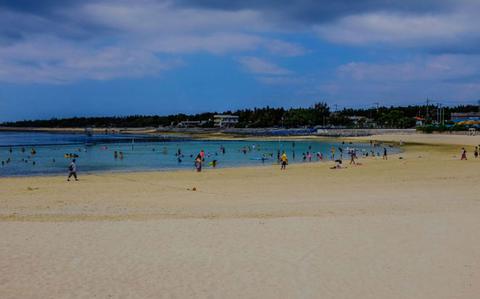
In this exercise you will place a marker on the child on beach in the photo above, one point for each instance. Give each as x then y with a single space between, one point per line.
352 156
464 154
72 171
338 165
309 156
198 163
284 161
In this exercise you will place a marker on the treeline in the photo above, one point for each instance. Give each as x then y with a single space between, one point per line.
316 115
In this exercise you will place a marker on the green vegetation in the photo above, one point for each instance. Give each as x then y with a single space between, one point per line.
317 115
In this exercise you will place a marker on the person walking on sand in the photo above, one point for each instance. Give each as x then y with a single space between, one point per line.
385 155
198 163
72 170
284 161
464 154
352 157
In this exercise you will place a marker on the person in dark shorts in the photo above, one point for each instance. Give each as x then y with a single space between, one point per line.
284 161
72 170
198 163
464 154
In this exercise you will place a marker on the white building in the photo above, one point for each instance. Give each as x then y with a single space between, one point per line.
190 124
224 120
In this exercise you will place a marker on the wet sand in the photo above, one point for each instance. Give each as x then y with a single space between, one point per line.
402 228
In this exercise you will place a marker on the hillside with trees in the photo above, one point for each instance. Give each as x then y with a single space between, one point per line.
318 114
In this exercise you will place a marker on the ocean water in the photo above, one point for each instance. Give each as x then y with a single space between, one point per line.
143 153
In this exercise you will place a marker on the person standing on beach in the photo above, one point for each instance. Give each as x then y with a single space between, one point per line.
464 154
352 157
284 161
385 156
198 163
475 153
72 170
332 152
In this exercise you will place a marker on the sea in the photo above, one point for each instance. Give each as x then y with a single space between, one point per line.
39 153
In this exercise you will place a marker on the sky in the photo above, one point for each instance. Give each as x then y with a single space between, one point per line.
64 58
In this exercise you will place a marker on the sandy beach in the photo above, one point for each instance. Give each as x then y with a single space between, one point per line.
403 228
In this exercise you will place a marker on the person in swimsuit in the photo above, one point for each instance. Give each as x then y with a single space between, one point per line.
284 161
464 154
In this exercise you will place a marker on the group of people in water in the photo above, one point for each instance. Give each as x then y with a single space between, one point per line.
27 159
199 160
337 154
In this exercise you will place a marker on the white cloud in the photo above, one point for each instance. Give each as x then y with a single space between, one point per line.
106 40
50 60
440 67
443 78
434 30
284 48
260 66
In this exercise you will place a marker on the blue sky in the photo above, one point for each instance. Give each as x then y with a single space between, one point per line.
103 57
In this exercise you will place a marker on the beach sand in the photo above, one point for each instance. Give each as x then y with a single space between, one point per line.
402 228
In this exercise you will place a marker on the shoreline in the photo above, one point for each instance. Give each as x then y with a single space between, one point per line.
213 132
401 141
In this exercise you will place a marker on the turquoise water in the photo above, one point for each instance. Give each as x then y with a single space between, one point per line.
140 153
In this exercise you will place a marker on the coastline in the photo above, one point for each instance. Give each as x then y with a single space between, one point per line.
401 228
213 132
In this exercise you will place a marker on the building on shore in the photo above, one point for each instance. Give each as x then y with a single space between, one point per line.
468 119
190 124
362 122
225 120
419 121
462 117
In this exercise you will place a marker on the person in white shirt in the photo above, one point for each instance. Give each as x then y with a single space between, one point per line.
72 170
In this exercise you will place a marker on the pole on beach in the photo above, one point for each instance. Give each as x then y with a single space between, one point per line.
427 116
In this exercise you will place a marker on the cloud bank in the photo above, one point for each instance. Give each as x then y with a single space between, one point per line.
432 42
